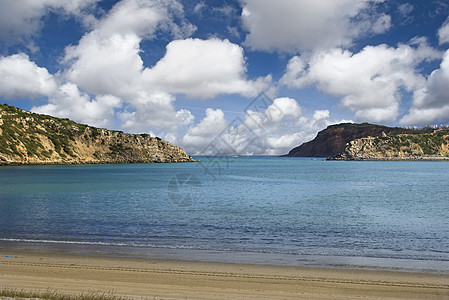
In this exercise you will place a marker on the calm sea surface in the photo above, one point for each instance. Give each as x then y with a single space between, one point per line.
240 209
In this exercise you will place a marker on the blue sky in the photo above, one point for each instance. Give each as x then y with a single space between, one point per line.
192 72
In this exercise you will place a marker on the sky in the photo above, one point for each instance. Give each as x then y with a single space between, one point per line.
231 76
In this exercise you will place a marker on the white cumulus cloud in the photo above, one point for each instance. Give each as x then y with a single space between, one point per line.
68 100
105 65
292 26
274 129
107 60
443 32
21 19
204 69
22 78
431 103
368 82
154 111
203 133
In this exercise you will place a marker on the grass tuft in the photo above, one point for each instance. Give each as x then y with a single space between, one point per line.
54 295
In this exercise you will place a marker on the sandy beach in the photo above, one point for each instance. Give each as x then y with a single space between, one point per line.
32 270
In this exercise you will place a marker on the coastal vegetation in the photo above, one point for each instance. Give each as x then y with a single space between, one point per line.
350 141
54 295
29 138
431 146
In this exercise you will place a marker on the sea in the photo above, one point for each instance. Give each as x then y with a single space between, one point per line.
237 209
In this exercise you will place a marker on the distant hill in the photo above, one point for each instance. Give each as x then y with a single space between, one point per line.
29 138
365 141
332 140
424 146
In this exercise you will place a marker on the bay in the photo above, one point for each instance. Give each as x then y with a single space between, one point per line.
275 209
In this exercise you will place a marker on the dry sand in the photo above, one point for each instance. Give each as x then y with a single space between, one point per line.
174 279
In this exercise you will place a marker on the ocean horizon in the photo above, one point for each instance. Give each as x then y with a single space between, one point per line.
243 209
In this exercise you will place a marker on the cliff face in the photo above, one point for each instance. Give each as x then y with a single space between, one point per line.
28 138
332 140
434 146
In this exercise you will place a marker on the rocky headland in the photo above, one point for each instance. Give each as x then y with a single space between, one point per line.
365 141
432 146
29 138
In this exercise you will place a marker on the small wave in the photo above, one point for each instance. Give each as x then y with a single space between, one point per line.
117 244
261 179
302 252
63 242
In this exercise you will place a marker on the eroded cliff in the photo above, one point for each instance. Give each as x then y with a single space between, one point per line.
332 140
433 146
29 138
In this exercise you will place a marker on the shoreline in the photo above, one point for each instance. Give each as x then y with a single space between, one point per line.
92 162
68 273
422 264
443 158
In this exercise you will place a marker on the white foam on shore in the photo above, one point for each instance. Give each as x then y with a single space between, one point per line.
232 256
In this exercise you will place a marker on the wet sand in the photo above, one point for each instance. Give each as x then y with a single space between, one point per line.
39 270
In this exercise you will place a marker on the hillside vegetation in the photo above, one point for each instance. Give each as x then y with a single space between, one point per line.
333 140
429 146
348 141
29 138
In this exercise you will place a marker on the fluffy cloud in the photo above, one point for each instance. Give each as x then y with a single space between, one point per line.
155 111
144 18
292 26
203 133
21 19
22 78
443 33
68 100
431 103
273 130
368 82
283 108
104 72
204 69
107 60
133 16
283 126
105 65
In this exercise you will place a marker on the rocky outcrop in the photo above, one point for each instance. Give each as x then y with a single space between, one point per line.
29 138
434 146
332 140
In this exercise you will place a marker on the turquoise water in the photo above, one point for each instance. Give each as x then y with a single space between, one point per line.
283 208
